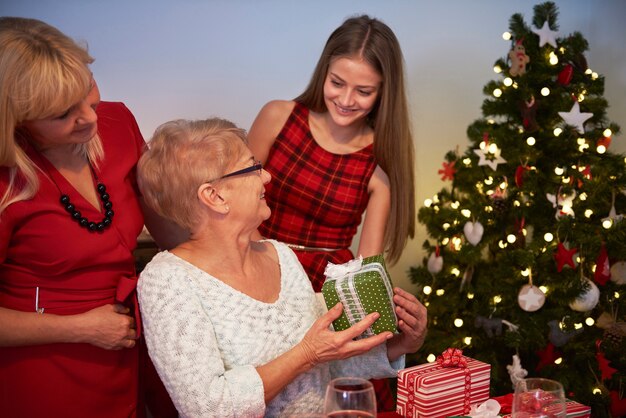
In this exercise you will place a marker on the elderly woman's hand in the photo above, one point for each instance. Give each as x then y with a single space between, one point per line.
320 344
412 320
109 327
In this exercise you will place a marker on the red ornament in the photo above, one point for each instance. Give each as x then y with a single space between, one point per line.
547 356
519 175
564 256
603 364
565 76
452 357
603 267
448 171
605 141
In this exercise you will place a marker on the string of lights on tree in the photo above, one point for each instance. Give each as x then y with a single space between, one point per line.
526 265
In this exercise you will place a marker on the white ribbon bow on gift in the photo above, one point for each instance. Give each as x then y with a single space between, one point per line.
335 271
488 409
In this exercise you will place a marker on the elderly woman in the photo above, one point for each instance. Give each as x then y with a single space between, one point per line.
233 325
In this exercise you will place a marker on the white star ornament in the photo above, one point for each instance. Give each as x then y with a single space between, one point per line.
546 35
575 118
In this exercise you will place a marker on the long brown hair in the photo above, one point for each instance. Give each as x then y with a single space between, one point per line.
370 39
42 73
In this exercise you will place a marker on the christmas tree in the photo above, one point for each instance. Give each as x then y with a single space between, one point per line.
527 246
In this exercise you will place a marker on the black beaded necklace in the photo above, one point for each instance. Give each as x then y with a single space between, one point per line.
75 213
77 216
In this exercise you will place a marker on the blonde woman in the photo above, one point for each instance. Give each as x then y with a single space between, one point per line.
69 220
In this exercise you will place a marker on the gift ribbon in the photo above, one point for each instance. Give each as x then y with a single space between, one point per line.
335 271
488 409
453 357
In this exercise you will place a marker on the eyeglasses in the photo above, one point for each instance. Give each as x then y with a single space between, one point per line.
258 166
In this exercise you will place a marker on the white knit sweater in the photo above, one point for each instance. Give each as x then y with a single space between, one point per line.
206 338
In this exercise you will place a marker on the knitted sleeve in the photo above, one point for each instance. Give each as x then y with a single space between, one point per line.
182 344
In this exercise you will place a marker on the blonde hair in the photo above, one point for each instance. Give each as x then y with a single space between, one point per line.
42 73
182 155
370 39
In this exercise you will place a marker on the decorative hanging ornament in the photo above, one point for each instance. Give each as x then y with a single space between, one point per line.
498 199
605 142
603 267
558 336
519 175
448 171
473 232
516 371
565 76
618 273
518 58
546 35
575 118
613 216
530 298
588 299
563 203
490 159
435 262
564 256
528 110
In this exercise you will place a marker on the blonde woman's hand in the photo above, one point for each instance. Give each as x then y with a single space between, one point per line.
320 344
109 327
412 321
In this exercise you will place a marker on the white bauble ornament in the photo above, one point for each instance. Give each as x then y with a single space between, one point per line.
618 272
473 232
530 298
587 300
435 263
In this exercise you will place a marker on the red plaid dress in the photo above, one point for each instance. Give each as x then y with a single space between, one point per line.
317 198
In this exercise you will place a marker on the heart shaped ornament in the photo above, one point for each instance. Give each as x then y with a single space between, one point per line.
473 232
435 263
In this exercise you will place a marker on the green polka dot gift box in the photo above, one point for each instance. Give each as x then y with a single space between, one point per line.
363 286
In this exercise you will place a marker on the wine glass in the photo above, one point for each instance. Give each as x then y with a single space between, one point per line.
350 397
538 398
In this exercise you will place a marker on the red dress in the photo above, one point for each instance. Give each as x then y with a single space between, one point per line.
75 271
317 198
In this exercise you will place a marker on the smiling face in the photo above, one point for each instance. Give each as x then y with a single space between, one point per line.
76 125
351 90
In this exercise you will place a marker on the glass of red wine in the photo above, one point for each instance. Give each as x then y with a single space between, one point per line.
350 397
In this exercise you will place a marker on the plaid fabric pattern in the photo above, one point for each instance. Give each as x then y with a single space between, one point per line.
317 198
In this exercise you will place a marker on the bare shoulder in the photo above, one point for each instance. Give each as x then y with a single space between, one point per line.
267 126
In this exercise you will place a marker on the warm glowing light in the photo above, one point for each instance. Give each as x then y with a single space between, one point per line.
455 204
554 60
589 321
427 290
607 133
456 241
467 340
458 322
588 71
497 93
466 212
445 241
502 244
558 360
588 213
583 196
497 299
526 272
531 141
508 81
470 296
511 238
544 289
506 36
440 292
455 271
581 141
467 161
581 97
489 181
594 75
445 226
557 131
503 185
578 325
607 223
493 148
559 171
601 149
616 295
548 237
545 91
497 69
596 391
428 202
488 209
566 180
